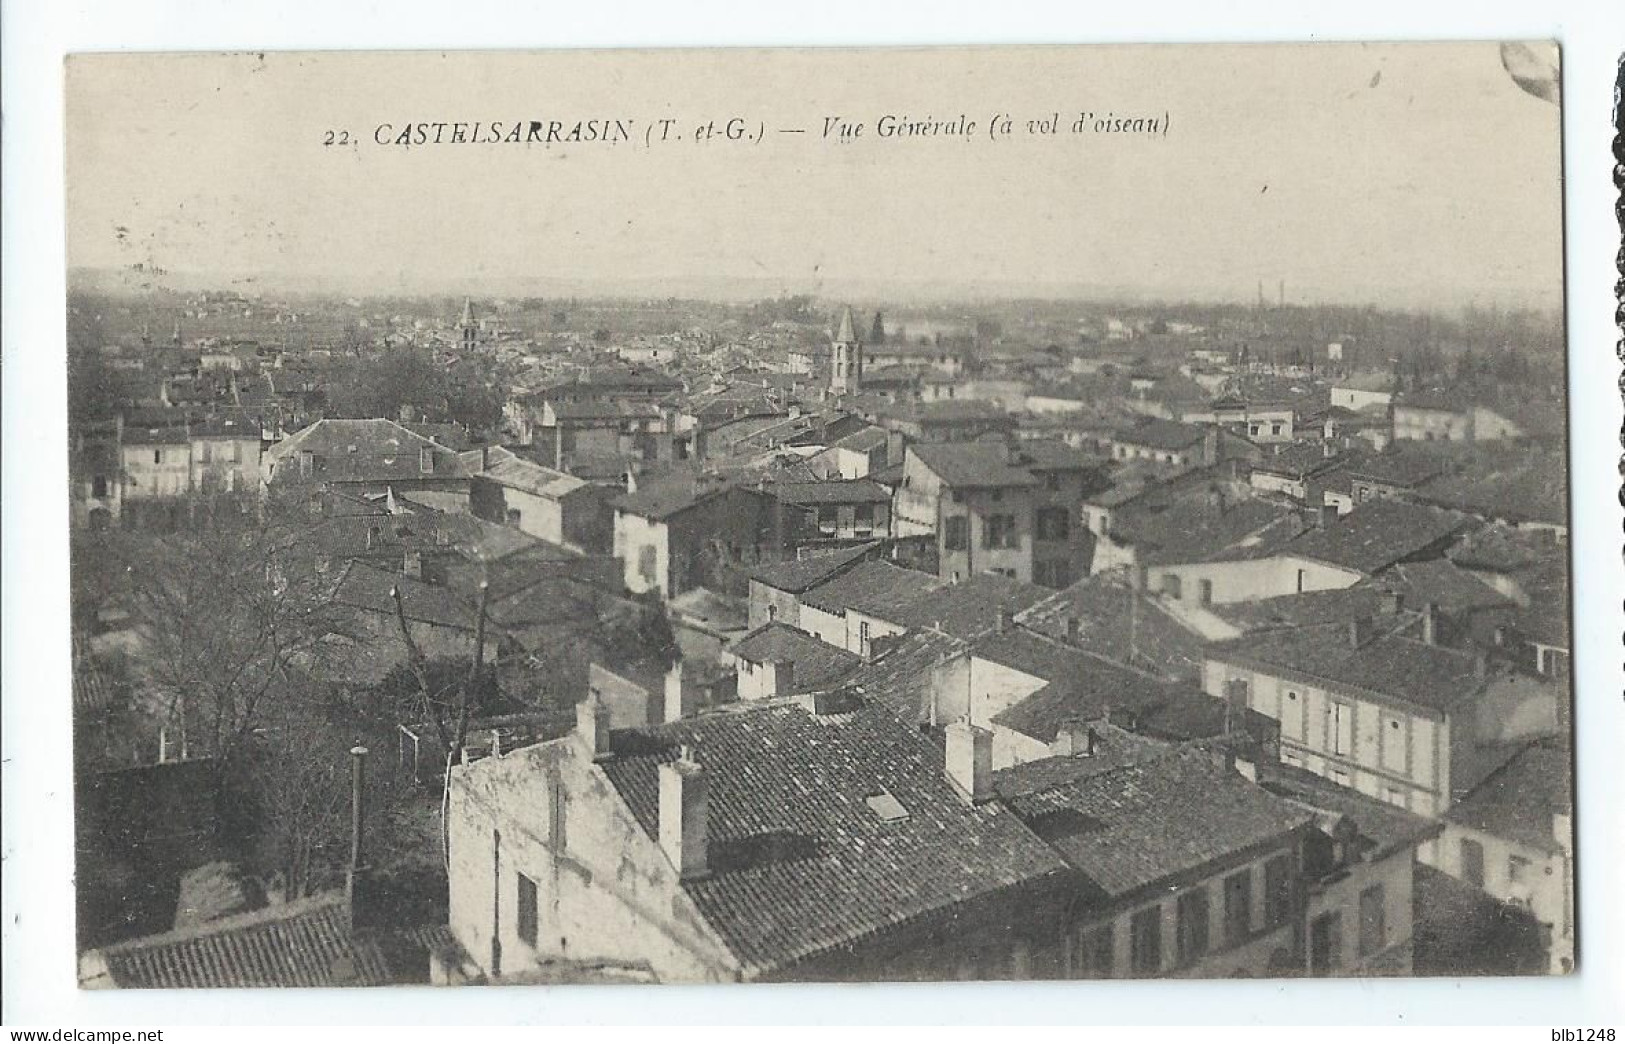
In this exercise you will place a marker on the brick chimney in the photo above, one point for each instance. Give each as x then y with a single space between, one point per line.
968 761
593 726
684 808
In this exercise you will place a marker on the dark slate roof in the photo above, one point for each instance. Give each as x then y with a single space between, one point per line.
1377 534
1159 434
1406 669
1517 801
1129 829
971 607
1382 827
799 862
798 575
856 491
972 465
308 942
877 589
817 664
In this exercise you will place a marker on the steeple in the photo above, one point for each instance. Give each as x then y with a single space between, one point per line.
466 326
845 357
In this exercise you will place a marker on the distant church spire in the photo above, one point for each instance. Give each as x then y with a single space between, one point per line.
846 357
466 325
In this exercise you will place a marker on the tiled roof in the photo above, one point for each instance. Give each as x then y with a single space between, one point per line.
1115 748
365 587
1377 534
308 942
1099 687
1196 531
364 451
665 496
878 589
1517 801
1443 583
817 664
1297 460
799 862
856 491
1306 608
900 675
529 477
1402 466
971 607
972 465
798 575
1520 490
1054 455
1131 828
1407 669
1161 435
1120 624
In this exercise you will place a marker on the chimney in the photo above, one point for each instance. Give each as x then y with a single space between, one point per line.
1004 621
496 743
163 744
1360 631
679 698
485 458
684 791
1430 623
1074 630
1140 577
593 726
1328 515
969 761
361 899
1075 739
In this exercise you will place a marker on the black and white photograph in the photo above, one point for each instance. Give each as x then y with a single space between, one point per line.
941 514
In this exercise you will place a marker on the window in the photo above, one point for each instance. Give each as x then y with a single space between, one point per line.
829 515
1093 951
1301 577
1277 891
1191 911
1238 907
1053 523
646 563
1326 943
98 486
206 452
157 456
1396 797
1472 862
999 531
959 496
1052 482
236 453
863 515
1373 921
1172 586
1145 941
514 516
954 532
1275 429
863 637
1342 729
1204 591
998 495
526 913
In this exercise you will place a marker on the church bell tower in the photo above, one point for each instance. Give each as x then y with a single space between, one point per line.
846 358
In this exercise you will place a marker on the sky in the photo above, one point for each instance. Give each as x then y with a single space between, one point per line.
1403 175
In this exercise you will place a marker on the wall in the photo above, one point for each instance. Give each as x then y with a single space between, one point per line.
1250 579
1427 425
605 890
1253 956
994 687
171 476
1396 754
630 704
977 505
634 533
1396 875
1546 888
786 607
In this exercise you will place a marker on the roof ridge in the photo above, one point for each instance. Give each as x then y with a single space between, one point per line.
203 929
